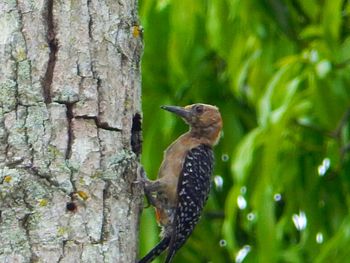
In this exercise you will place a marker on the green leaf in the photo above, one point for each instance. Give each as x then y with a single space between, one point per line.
244 155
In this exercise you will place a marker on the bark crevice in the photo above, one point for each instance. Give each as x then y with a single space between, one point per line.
90 24
43 175
53 47
26 227
26 135
64 243
70 134
99 124
105 211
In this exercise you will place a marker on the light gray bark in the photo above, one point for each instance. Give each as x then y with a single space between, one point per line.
69 130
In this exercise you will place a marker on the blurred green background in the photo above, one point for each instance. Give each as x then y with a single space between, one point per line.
279 70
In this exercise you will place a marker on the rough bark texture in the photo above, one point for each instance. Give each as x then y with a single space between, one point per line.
69 130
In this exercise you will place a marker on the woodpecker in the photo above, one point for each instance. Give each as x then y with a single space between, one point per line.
183 184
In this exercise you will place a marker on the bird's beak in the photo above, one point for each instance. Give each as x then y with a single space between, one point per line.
182 112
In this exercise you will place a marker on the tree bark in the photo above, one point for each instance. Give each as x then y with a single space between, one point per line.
70 130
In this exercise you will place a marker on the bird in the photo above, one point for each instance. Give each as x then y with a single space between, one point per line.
183 184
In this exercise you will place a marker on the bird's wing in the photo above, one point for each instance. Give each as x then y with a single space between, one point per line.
192 192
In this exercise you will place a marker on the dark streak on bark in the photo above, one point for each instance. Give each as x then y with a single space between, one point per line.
26 136
99 124
98 87
136 135
16 85
53 45
69 114
101 150
12 164
43 175
105 212
78 72
6 139
90 19
64 242
25 224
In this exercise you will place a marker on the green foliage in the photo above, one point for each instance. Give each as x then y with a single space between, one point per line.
279 70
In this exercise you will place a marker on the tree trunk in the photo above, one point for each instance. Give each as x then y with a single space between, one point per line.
70 123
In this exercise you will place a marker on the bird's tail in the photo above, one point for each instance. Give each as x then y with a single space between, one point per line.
170 256
156 251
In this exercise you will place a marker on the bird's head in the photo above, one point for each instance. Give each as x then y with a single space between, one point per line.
205 120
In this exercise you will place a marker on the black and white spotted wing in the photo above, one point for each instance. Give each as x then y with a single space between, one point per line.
193 190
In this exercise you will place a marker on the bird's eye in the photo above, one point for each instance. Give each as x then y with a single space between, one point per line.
199 109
